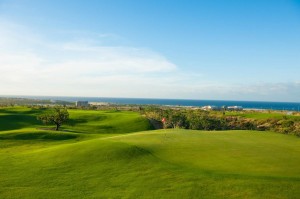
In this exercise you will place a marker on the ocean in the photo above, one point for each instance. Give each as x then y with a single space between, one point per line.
287 106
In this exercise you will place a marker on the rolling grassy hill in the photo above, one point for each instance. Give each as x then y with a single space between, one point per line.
114 155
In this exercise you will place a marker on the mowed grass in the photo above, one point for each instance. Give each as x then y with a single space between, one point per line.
147 164
81 121
106 122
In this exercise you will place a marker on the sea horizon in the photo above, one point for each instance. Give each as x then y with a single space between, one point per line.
247 104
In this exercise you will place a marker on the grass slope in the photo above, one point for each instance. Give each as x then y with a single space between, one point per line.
106 122
147 164
81 121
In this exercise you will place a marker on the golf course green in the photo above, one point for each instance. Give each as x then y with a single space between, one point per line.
117 154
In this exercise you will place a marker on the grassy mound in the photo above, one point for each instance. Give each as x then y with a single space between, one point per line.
234 152
81 121
97 155
157 164
106 122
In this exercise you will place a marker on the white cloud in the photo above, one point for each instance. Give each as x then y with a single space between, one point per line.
29 64
33 65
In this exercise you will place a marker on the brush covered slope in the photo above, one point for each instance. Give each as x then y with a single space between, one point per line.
148 164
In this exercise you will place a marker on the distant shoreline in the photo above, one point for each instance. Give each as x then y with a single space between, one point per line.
247 105
135 98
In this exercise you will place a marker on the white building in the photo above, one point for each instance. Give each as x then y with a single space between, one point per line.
81 103
235 108
99 103
210 108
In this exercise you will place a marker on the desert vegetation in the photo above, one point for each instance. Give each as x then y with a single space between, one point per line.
225 120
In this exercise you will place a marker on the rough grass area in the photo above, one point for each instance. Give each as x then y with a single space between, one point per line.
262 115
85 161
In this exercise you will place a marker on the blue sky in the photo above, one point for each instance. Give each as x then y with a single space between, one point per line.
225 50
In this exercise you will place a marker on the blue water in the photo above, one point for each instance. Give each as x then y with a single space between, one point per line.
291 106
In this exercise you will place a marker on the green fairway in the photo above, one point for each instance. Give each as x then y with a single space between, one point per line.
106 122
108 154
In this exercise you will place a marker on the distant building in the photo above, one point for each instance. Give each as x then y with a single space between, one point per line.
82 104
99 103
235 108
289 113
210 108
224 107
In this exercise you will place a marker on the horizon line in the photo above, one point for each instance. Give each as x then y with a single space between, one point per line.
151 98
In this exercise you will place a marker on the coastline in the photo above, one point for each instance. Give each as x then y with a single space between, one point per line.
247 105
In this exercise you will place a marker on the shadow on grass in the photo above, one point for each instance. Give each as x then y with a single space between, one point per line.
21 111
85 119
73 122
38 136
99 129
17 121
